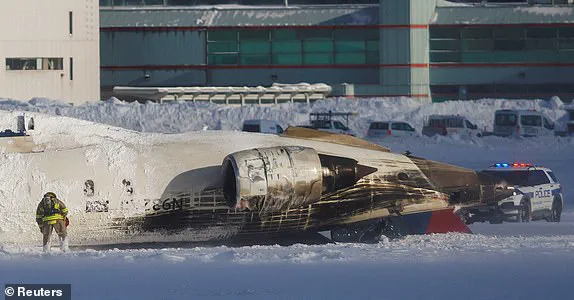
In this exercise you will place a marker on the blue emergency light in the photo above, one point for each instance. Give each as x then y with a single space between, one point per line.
515 165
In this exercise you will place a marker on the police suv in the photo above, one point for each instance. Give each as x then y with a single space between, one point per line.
536 195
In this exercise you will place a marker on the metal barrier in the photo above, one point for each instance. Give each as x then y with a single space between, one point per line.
276 93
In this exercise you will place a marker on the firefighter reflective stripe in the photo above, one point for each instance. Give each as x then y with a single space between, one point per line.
56 211
57 207
53 217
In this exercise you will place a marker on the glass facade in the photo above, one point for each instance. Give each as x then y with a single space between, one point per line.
501 44
324 46
220 2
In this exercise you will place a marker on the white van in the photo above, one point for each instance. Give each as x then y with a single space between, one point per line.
381 129
326 121
262 126
518 122
449 125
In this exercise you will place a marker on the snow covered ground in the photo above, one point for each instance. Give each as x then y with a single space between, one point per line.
507 261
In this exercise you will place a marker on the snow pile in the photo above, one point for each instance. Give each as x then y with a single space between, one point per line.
550 11
180 117
440 247
480 266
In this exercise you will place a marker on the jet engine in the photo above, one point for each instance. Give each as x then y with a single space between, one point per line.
278 178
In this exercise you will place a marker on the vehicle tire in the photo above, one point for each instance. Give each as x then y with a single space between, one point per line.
524 213
556 211
479 134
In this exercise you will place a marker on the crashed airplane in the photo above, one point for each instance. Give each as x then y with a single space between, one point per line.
312 181
249 188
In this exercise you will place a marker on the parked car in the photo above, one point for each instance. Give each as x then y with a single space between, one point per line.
262 126
536 195
390 128
526 123
326 121
448 125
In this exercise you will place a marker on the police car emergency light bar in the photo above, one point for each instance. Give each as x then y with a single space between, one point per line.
515 165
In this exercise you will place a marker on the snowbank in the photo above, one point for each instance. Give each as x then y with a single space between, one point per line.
180 117
447 266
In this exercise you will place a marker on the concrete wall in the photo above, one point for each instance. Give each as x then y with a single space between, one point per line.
129 52
504 75
404 47
40 29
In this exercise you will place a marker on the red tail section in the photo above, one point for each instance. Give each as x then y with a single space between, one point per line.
443 221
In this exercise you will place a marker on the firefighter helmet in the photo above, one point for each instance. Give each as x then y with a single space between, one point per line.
50 195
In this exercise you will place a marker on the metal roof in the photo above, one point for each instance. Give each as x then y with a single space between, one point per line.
503 14
239 16
447 13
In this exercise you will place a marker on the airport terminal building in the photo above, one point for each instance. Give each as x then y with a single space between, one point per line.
50 49
427 49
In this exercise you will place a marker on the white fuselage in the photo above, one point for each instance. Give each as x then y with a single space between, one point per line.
128 177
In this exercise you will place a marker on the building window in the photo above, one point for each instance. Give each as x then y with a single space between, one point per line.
508 45
293 47
71 68
28 63
497 44
70 22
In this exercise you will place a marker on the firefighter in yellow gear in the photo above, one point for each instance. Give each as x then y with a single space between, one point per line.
51 215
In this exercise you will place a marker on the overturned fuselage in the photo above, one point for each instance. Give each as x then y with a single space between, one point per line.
217 186
325 182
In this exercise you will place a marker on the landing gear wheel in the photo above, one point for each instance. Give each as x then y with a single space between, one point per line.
556 212
524 213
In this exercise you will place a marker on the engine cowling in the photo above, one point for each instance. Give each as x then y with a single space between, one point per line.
272 179
278 178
